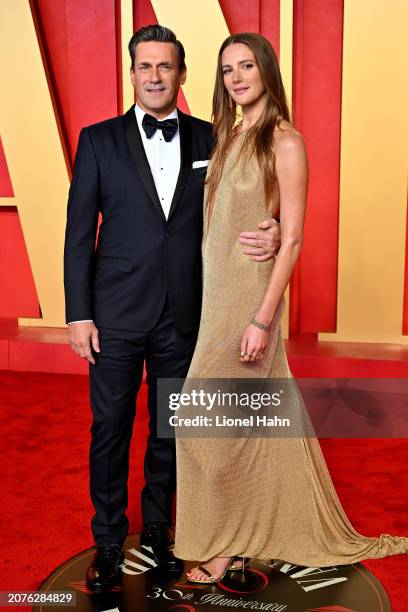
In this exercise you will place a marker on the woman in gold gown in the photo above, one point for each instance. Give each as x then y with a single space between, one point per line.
260 497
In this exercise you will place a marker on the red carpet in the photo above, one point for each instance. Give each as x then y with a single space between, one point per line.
45 508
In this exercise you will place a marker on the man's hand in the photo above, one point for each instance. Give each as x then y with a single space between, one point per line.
80 336
262 245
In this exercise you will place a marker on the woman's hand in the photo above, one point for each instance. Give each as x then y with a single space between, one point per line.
253 343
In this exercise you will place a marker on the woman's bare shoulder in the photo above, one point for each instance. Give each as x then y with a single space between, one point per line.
286 132
287 138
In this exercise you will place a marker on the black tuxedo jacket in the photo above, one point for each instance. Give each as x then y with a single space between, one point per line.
140 257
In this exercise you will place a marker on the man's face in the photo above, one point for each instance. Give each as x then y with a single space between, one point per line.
157 77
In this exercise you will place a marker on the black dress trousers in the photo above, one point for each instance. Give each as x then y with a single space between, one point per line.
114 382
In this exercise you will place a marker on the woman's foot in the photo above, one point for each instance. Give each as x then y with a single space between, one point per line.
236 564
215 567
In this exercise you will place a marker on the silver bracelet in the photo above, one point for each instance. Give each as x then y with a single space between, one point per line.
263 326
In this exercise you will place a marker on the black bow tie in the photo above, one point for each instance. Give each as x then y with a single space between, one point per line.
169 127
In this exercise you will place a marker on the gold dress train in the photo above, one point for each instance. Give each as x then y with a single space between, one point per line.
266 498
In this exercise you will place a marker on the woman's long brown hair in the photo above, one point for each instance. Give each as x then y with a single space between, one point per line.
259 138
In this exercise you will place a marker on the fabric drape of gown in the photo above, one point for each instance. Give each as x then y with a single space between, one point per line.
266 498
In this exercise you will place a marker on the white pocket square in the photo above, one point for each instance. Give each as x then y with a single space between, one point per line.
200 164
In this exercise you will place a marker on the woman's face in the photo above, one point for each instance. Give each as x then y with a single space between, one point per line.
241 75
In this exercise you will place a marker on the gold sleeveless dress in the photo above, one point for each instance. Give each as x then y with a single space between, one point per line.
267 498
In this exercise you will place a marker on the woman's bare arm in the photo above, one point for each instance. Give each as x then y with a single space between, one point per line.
292 176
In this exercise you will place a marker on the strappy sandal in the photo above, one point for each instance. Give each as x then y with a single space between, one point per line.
212 579
237 568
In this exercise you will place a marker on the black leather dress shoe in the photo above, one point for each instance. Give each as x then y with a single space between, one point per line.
103 570
156 536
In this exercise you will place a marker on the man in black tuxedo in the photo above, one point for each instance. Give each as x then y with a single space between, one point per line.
135 299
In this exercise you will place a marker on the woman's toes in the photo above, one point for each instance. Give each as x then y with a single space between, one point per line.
194 573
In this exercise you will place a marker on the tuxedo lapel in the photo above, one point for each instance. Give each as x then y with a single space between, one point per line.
186 160
135 144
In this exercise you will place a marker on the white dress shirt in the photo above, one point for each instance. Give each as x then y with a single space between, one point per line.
163 158
164 161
